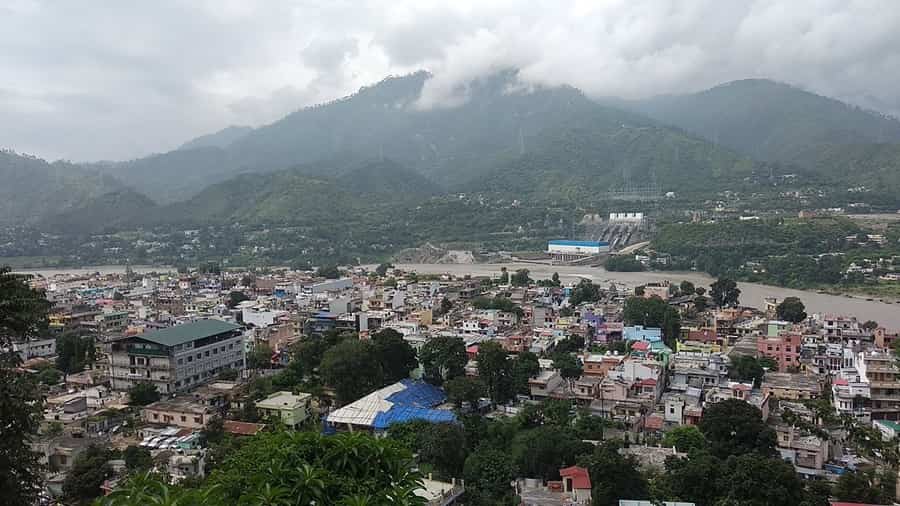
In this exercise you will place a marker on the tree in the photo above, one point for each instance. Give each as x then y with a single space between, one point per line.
349 369
504 276
555 279
87 474
73 351
687 288
569 367
542 451
684 438
791 309
141 394
443 358
654 312
724 292
328 272
495 370
463 389
260 357
525 366
396 356
23 314
287 467
137 458
520 278
214 431
382 269
446 305
613 475
755 480
488 473
735 427
870 325
49 376
746 368
442 445
584 291
235 297
866 487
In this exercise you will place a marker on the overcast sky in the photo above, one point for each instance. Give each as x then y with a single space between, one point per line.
90 80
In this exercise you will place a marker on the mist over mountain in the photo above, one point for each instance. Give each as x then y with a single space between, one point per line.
772 121
537 143
221 139
32 188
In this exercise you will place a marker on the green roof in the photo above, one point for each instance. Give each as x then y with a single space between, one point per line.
187 332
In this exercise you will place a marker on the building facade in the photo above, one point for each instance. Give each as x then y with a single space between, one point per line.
176 358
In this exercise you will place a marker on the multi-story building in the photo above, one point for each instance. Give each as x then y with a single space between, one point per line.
851 395
783 348
180 412
176 358
791 386
881 373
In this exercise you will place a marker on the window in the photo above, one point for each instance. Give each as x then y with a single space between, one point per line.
133 370
183 418
190 358
198 419
180 361
155 416
199 356
207 353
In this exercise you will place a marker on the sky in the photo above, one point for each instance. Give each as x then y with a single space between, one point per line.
110 80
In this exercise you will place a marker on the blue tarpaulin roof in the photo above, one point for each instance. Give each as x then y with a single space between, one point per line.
418 394
567 242
400 414
403 401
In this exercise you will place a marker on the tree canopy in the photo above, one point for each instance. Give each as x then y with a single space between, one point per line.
791 309
724 292
142 394
443 358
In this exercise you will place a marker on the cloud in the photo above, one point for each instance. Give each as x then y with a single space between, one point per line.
112 80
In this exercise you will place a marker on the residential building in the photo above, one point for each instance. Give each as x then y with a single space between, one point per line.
791 386
287 408
851 395
176 358
178 412
879 370
783 348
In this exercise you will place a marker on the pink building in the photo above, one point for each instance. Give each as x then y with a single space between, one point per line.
784 349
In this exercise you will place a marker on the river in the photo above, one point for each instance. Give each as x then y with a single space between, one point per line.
752 294
102 269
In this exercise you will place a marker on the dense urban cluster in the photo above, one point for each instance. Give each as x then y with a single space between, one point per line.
374 386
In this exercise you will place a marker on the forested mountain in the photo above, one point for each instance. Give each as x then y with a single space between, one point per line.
500 135
767 120
220 139
107 212
32 188
387 177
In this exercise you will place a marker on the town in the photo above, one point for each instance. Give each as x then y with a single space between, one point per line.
501 387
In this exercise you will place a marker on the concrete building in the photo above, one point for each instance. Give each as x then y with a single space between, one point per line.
284 407
573 250
851 395
35 348
784 349
791 386
179 412
176 358
880 371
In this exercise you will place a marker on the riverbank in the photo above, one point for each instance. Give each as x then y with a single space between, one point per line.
752 294
91 269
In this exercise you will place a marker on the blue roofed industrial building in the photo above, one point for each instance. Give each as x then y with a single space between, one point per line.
565 249
403 401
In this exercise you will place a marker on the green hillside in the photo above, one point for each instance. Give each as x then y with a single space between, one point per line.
34 189
767 120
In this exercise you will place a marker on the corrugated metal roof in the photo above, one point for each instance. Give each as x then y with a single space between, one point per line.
187 332
403 401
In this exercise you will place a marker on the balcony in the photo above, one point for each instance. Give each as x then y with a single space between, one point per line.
156 352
